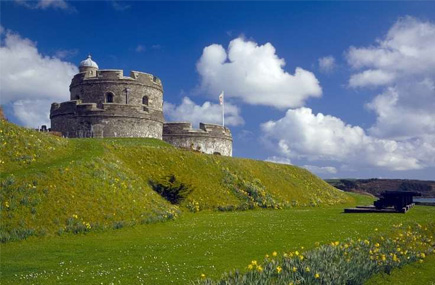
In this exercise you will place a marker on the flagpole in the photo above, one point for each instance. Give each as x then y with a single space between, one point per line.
223 109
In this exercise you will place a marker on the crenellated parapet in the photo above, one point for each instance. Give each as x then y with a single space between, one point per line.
101 75
209 138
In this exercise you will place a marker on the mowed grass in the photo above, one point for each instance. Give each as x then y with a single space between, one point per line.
412 274
180 251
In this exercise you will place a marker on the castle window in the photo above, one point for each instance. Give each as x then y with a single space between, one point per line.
77 97
109 97
145 100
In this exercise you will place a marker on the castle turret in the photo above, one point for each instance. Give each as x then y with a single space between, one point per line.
88 66
105 103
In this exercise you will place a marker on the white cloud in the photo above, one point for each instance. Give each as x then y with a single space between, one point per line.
321 169
205 113
254 73
371 78
33 113
27 76
406 50
302 134
279 159
327 64
402 63
45 4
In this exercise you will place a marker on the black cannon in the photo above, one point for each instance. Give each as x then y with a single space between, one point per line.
400 200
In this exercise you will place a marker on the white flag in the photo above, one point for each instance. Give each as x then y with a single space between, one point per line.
221 98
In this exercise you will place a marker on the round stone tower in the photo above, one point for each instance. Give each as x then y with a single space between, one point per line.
105 103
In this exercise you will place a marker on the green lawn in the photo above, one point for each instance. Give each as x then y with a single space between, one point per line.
412 274
179 251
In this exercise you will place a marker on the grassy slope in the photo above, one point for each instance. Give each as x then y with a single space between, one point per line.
52 185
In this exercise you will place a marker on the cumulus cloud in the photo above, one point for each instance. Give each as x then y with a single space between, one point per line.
317 137
45 4
205 113
254 74
407 49
27 76
371 78
403 62
327 64
401 66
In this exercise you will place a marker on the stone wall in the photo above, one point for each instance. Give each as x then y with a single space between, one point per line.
94 87
136 113
209 138
76 119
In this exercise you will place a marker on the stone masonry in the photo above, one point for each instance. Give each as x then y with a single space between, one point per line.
209 138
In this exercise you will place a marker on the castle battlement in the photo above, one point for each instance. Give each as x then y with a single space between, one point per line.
186 129
105 75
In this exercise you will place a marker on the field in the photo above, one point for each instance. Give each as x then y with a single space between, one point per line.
180 251
84 211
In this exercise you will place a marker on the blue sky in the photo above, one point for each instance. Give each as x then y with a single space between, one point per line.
351 110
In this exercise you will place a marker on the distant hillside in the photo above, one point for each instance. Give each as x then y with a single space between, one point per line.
375 186
54 185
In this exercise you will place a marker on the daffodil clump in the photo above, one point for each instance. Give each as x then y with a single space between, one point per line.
348 262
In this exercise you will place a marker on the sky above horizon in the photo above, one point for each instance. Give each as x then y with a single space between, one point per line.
344 89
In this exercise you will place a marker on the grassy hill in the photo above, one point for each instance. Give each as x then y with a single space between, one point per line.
51 185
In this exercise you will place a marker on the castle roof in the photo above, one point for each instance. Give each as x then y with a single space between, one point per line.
88 62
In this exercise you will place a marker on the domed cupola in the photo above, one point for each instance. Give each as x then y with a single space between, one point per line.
88 65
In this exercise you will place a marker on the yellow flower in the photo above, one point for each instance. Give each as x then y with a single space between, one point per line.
377 245
294 269
267 256
279 269
259 268
75 216
307 269
274 253
7 204
250 266
317 276
202 275
423 255
301 257
296 253
254 262
336 243
421 261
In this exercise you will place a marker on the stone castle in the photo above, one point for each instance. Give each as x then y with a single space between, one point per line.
105 103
